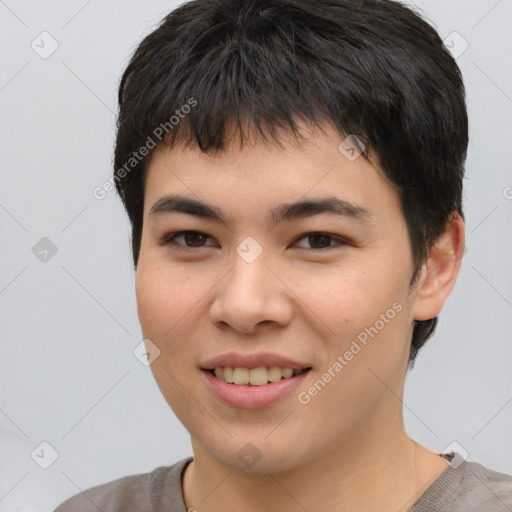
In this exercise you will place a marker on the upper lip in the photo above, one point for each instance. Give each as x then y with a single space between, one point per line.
234 360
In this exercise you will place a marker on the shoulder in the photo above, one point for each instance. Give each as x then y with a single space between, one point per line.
134 492
120 494
484 488
466 487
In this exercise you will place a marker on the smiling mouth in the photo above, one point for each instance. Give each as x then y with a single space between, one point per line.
255 376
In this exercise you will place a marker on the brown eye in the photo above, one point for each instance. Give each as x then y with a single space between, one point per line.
319 241
191 239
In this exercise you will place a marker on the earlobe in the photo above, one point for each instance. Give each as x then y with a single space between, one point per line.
440 272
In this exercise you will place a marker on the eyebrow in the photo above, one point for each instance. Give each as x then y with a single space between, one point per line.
285 212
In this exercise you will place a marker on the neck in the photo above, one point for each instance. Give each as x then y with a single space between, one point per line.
377 470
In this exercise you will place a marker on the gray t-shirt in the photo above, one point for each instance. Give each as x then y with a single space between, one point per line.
462 487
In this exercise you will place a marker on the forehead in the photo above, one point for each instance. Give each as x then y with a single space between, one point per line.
260 175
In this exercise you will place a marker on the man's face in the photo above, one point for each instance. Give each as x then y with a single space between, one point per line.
337 301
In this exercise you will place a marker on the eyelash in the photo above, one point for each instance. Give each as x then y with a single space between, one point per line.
171 238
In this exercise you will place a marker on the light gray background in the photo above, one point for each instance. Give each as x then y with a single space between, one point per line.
69 326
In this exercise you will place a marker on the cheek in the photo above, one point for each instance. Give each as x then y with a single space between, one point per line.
172 306
348 298
165 304
365 315
164 296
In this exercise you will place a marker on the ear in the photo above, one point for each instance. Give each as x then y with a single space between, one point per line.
440 271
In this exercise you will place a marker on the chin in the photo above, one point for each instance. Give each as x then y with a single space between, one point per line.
257 456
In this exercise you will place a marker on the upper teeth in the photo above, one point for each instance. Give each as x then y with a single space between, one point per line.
254 376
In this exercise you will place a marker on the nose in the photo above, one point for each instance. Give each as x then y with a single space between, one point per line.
251 296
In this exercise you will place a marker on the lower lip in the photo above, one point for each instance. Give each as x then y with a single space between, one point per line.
253 397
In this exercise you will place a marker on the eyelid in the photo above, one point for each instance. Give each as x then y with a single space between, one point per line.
168 239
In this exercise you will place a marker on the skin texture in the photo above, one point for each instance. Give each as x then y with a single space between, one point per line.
346 449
